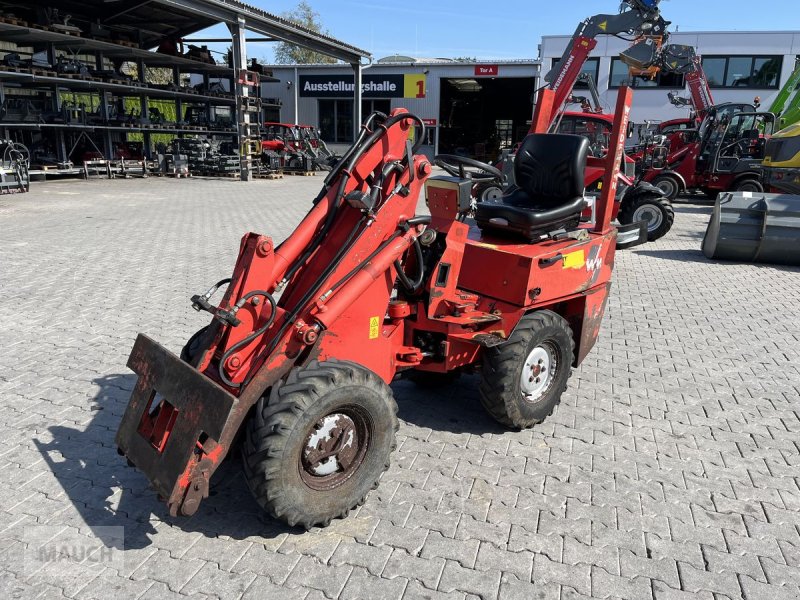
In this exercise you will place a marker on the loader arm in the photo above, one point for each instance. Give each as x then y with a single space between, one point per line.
787 104
642 18
683 60
185 412
596 105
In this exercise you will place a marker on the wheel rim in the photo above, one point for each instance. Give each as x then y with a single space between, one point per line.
538 372
748 186
668 187
335 448
649 213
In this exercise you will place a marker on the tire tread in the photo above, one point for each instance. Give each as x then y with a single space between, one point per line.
269 428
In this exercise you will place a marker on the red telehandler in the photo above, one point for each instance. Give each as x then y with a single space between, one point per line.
296 361
724 150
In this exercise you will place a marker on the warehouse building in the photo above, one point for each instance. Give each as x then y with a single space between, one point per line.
478 108
739 67
469 108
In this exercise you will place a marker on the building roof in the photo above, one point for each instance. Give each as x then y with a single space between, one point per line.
149 22
406 61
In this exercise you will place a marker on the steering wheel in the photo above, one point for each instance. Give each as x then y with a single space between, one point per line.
461 166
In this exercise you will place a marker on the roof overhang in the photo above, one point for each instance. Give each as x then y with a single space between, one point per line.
259 21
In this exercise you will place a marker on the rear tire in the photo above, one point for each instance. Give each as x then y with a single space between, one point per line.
749 185
320 442
524 378
656 210
669 185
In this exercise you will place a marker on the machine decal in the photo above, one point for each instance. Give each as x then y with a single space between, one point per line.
594 263
374 327
574 260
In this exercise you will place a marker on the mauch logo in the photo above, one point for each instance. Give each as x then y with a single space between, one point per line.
53 545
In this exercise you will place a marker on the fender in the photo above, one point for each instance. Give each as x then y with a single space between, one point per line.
642 188
748 175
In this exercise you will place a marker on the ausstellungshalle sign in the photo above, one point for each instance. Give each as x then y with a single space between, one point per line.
372 86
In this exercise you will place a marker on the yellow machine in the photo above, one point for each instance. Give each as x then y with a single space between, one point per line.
781 164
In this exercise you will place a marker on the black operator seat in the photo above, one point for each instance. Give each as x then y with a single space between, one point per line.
548 196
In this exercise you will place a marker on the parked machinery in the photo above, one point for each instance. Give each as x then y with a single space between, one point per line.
725 154
637 200
16 160
781 166
323 158
725 151
787 103
208 157
297 147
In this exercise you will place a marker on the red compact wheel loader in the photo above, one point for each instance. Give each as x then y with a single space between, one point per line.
514 290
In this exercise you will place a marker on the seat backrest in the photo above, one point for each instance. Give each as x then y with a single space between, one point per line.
549 167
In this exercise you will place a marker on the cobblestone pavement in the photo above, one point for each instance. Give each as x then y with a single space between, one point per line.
669 471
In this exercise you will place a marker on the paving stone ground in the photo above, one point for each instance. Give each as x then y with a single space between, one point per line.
669 471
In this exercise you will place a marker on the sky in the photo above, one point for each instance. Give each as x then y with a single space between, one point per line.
506 29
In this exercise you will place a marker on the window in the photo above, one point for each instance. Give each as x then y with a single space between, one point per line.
761 72
597 131
272 114
336 121
675 127
591 66
620 75
504 129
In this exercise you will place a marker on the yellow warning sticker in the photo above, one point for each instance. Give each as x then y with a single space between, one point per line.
374 327
574 260
603 26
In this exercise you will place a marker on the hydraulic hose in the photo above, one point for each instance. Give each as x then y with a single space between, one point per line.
412 287
358 151
413 222
365 130
243 342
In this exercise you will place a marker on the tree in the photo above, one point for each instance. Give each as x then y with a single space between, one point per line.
286 53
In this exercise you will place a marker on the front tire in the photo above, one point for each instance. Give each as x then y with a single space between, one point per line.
320 442
657 211
200 340
524 378
749 185
669 185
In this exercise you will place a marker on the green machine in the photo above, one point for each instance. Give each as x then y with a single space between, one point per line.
781 165
786 106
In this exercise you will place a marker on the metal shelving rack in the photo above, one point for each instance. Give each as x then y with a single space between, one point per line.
40 80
